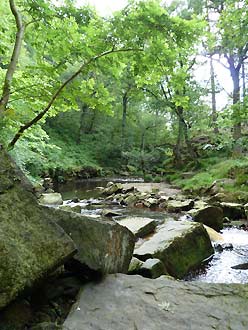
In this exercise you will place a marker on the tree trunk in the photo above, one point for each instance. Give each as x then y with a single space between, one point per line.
243 80
193 155
213 95
124 120
234 71
178 148
6 89
83 113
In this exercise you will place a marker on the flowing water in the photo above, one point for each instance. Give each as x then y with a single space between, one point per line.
217 270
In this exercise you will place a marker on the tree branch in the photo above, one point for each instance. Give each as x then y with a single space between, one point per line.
14 57
24 127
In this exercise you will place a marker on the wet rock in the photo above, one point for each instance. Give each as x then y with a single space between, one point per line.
180 245
113 188
51 199
130 199
233 211
109 213
179 206
31 244
158 304
68 208
152 268
246 210
103 245
134 266
150 202
241 266
221 247
212 216
75 200
140 227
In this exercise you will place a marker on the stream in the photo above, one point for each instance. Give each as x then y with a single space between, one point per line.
216 270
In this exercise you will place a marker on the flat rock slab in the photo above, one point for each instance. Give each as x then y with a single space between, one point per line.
180 245
124 302
140 227
31 245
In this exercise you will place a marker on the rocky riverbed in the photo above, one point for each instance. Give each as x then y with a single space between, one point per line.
167 235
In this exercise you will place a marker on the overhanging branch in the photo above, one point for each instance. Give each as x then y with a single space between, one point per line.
32 122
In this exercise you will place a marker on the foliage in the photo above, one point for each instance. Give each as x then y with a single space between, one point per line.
120 92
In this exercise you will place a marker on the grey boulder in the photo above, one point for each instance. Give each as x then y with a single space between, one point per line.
103 245
123 302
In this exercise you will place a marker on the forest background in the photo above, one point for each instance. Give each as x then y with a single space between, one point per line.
84 95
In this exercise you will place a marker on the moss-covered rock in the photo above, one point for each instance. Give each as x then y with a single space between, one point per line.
31 244
211 216
233 211
180 245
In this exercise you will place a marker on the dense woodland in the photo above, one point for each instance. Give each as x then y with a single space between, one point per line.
88 95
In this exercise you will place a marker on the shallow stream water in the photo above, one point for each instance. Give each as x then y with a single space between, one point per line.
217 270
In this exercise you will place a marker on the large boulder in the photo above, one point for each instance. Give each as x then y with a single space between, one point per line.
140 227
31 244
180 245
211 216
103 245
124 302
233 211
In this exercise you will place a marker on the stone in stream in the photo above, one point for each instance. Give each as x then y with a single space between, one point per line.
113 188
140 227
134 266
68 208
51 199
212 216
233 211
179 206
246 210
180 245
31 244
103 245
241 266
123 302
152 268
109 213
